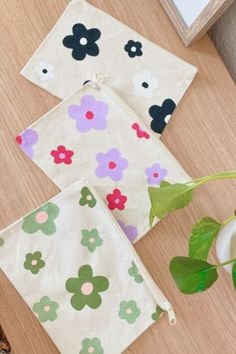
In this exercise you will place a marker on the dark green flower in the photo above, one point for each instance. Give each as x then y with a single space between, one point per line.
134 272
86 288
91 239
129 311
1 242
156 315
34 262
41 219
91 346
87 198
46 309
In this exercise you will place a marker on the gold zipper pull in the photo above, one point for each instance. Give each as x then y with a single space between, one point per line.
171 316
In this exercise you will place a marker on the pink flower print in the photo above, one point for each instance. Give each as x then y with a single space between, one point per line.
140 132
116 200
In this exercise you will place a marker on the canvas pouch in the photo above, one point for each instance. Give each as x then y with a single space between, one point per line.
94 134
86 40
77 271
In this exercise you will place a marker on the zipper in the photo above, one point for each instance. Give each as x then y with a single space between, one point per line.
157 294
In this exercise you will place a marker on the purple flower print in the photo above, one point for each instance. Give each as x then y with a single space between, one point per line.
130 230
26 139
91 114
155 174
111 164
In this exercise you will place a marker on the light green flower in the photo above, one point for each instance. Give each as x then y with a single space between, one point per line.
91 346
87 198
1 242
134 272
42 219
156 315
34 262
91 239
46 309
129 311
86 288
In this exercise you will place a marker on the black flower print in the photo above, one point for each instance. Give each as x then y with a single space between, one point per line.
82 41
134 49
160 115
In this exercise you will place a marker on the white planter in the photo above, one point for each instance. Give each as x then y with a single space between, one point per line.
226 244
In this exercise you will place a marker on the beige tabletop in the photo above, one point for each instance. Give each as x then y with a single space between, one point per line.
202 136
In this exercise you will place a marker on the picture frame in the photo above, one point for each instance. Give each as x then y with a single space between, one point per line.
209 15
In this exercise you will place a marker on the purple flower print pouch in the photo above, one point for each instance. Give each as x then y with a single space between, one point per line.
94 134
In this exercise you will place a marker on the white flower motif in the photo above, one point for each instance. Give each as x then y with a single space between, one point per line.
44 71
144 84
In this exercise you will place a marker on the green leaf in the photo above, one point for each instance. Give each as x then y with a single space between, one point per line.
234 274
165 184
169 198
192 275
202 236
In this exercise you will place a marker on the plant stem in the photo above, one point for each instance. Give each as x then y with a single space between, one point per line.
231 218
218 176
225 263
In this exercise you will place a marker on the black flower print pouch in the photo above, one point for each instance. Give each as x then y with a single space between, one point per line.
82 293
87 40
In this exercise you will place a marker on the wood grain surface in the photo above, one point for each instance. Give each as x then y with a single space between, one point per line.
202 136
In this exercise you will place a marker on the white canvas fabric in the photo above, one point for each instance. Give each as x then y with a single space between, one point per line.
76 270
95 135
87 40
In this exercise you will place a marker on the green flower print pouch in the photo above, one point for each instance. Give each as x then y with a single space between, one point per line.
86 40
65 261
94 134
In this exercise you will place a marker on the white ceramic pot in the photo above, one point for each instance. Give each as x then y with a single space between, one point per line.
226 244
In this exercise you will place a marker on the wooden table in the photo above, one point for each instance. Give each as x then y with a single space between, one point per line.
202 136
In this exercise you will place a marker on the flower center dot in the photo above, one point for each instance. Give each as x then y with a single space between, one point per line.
91 240
90 350
145 84
44 71
34 262
89 115
133 49
117 201
46 308
87 288
62 156
19 140
89 197
155 174
112 165
83 41
41 217
129 311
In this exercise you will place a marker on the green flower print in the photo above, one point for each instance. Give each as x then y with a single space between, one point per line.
91 239
87 198
134 272
86 288
156 315
34 262
1 242
46 309
41 219
91 346
129 311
